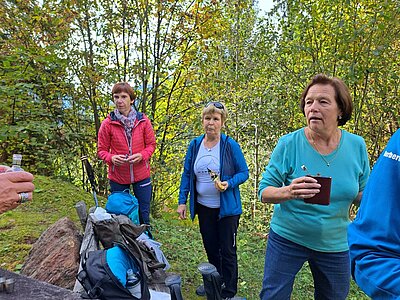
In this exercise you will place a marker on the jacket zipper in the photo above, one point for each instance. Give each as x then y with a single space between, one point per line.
132 175
225 142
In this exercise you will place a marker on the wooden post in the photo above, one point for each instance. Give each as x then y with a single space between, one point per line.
82 213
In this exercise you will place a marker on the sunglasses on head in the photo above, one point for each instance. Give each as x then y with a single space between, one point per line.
218 105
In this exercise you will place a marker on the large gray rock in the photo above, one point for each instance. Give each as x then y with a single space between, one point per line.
54 258
26 288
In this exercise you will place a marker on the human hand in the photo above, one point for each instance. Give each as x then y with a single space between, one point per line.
14 188
135 158
119 160
4 168
221 185
303 188
181 211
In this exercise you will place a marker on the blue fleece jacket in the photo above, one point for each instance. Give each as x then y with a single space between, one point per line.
374 236
233 169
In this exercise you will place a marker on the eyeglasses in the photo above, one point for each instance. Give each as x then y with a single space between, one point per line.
218 105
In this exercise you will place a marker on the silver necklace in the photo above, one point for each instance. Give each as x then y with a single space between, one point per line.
328 162
209 148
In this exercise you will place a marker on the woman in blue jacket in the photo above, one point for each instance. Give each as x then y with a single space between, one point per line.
214 168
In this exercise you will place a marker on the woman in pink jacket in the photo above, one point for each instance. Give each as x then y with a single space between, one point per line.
126 142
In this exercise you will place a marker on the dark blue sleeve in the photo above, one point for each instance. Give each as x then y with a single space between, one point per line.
374 235
185 179
241 170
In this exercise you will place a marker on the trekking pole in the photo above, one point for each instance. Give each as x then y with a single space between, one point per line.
90 173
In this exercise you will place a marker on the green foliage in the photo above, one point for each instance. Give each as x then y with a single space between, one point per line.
353 40
34 88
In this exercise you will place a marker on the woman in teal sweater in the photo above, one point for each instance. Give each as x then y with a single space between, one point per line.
300 231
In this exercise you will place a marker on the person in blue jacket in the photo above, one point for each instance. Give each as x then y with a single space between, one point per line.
374 235
214 168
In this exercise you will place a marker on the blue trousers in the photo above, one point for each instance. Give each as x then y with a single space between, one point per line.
219 240
284 259
142 191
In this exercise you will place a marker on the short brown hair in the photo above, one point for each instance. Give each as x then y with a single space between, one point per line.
342 95
124 87
210 108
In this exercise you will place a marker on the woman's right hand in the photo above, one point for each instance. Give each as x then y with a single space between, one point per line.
181 211
119 160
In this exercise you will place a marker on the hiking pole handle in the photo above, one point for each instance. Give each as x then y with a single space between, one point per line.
89 170
90 173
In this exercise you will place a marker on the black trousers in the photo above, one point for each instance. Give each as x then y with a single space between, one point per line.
219 240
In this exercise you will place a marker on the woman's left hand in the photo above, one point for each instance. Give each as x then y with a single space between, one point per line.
221 185
303 188
135 158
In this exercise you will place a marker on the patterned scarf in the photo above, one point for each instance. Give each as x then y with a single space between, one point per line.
127 122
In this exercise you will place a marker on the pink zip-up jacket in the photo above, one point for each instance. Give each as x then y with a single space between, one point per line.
112 140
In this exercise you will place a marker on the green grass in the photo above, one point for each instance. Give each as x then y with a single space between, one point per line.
21 227
181 241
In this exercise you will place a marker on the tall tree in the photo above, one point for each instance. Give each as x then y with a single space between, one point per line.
32 81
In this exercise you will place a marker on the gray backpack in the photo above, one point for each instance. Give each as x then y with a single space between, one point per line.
96 276
99 281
